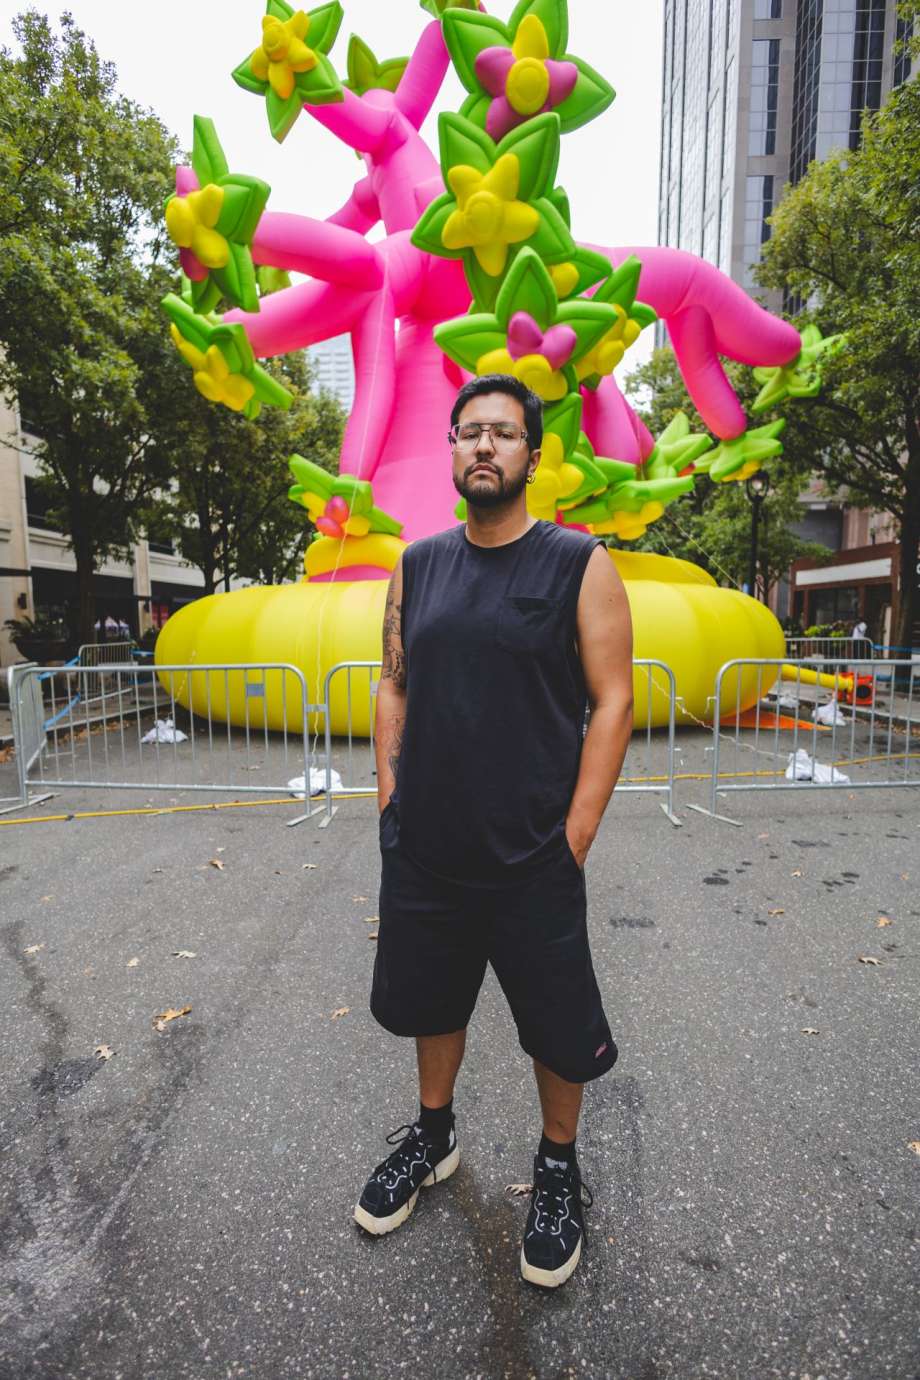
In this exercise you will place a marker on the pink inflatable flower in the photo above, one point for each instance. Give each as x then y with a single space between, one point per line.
523 80
557 345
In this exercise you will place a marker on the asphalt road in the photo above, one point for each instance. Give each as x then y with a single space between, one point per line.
183 1209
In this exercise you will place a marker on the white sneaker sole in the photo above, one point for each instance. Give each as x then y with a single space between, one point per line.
550 1279
380 1226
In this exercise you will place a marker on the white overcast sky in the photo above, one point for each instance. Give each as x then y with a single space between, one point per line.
176 57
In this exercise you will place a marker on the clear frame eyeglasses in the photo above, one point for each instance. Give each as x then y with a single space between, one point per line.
506 437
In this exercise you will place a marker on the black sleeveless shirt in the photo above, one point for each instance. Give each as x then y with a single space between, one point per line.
495 702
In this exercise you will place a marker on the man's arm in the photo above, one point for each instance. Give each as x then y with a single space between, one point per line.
391 693
606 650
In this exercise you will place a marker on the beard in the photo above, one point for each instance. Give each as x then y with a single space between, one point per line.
487 493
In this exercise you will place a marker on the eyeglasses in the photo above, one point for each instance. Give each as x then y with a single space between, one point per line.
505 436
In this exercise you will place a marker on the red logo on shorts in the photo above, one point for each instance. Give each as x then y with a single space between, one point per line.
599 1052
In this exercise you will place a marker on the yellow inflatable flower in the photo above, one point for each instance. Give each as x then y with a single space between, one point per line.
535 371
553 481
211 374
565 279
608 352
190 221
283 52
629 526
527 86
489 216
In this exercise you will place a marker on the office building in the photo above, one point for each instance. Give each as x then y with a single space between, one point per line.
754 91
334 369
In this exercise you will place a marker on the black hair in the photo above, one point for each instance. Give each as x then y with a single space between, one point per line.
505 383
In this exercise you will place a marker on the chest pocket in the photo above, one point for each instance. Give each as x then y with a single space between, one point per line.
530 625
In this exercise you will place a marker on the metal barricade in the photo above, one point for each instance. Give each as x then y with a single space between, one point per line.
102 655
351 755
863 731
177 728
829 648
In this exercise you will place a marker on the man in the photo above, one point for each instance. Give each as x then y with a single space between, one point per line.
496 634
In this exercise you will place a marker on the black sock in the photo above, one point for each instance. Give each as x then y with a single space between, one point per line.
556 1150
436 1121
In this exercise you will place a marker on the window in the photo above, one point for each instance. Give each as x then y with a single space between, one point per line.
807 82
902 59
38 504
868 52
764 96
768 9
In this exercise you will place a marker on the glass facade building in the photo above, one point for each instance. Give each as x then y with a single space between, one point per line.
753 92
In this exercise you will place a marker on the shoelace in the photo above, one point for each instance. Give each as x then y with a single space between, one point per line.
557 1190
400 1137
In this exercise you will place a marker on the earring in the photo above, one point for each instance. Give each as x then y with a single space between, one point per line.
531 477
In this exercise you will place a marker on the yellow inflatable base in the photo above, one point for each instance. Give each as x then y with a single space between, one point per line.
680 617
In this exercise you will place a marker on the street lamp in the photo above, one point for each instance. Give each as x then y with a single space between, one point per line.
758 486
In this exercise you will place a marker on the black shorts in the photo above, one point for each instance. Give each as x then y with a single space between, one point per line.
436 937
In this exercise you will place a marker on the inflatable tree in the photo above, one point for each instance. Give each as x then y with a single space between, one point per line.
479 271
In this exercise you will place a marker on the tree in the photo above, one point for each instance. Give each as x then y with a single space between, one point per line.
227 507
712 525
846 241
83 176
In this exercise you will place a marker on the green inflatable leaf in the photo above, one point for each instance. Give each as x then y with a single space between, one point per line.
591 97
553 240
536 145
467 338
564 421
552 14
467 34
527 287
365 73
462 143
428 234
318 86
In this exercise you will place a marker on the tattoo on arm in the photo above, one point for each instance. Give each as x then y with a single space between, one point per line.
394 657
396 745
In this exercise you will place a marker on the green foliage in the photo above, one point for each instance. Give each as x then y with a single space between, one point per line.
83 176
846 241
712 526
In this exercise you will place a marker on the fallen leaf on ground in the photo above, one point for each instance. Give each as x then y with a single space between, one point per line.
905 876
132 962
309 867
882 921
184 953
868 959
47 898
796 873
763 836
218 863
359 898
373 935
6 755
33 948
341 1011
371 919
914 1145
779 911
220 850
518 1190
809 1030
103 1051
170 1015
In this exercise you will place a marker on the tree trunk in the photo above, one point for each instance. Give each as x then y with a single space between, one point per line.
86 569
907 631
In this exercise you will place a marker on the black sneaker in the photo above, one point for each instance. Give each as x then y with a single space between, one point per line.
418 1162
555 1224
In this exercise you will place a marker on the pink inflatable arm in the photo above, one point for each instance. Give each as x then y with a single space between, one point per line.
357 123
374 349
612 426
300 316
319 249
422 79
708 315
361 211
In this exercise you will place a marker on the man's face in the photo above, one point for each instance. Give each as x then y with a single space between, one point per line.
493 473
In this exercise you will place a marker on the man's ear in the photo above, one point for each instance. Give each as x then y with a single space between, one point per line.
534 460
